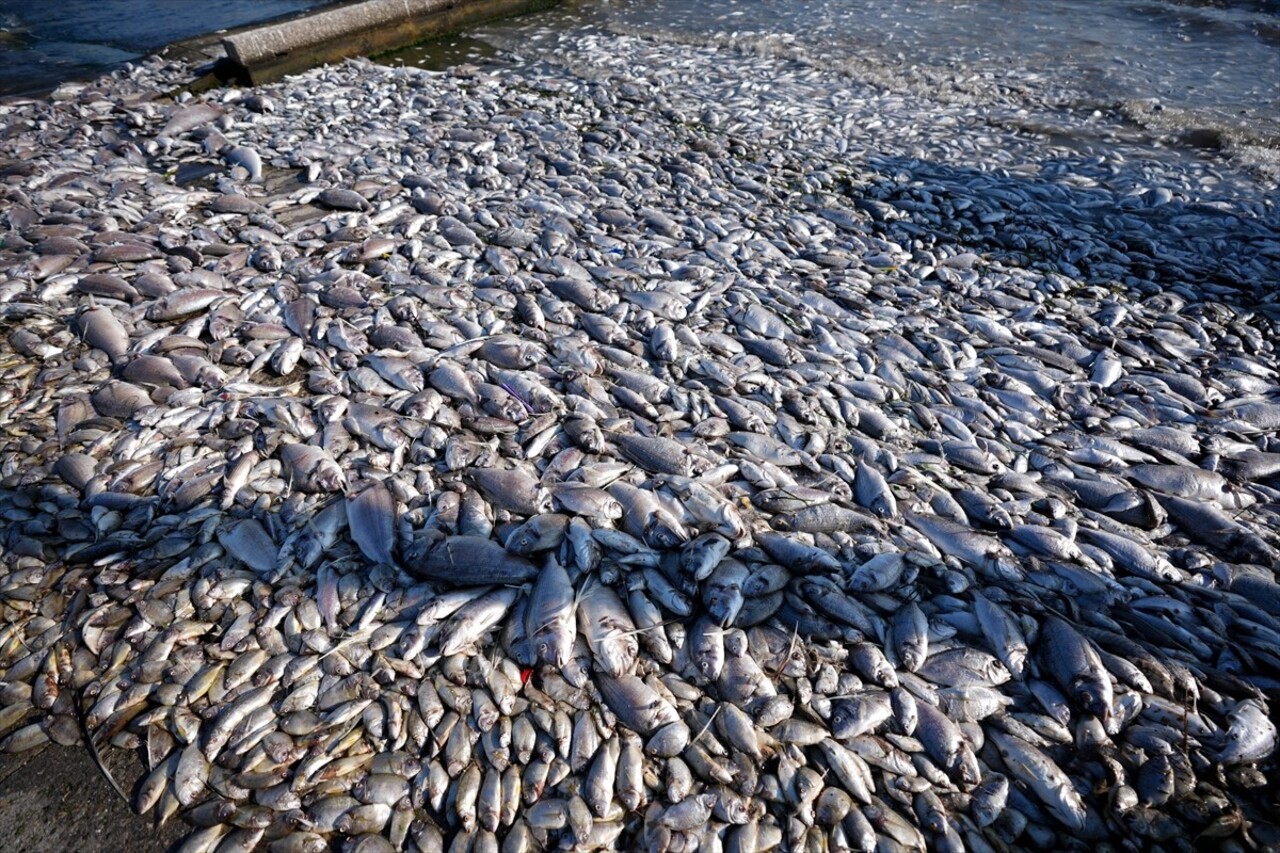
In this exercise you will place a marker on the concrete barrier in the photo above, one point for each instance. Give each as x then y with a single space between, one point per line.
270 51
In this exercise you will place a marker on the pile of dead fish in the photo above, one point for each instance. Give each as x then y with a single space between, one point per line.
520 463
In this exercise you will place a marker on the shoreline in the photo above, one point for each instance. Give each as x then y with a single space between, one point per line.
1142 122
415 220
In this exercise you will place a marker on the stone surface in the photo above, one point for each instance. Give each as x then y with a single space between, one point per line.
54 800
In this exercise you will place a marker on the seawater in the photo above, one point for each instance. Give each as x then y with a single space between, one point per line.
1192 74
46 42
1219 60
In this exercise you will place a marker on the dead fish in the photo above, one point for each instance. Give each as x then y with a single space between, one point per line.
101 329
466 560
337 198
371 517
248 541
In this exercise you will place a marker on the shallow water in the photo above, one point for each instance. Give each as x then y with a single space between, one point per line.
1192 74
1220 58
42 44
1219 62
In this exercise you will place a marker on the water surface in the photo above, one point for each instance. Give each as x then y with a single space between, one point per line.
1195 73
44 43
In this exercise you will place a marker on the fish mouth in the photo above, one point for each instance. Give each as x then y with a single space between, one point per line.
1091 699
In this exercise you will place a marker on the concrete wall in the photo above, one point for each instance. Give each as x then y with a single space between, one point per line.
369 27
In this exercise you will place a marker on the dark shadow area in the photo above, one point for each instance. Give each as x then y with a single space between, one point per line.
1121 230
